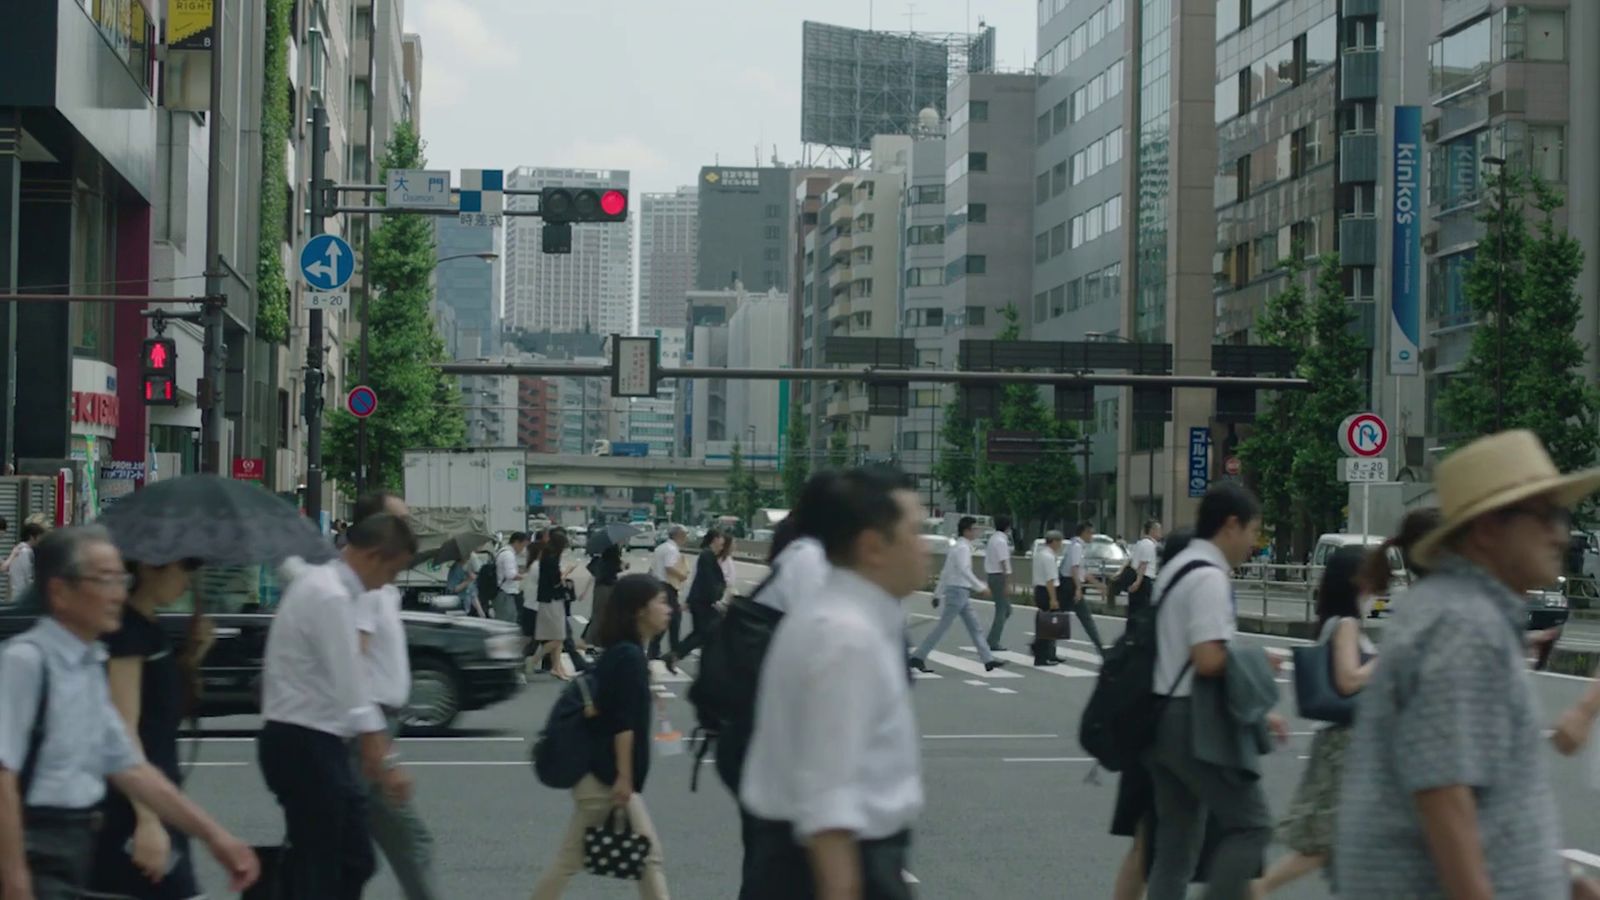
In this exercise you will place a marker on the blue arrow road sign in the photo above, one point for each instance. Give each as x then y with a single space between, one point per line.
326 262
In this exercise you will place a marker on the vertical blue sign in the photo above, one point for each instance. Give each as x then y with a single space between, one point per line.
1405 262
1199 453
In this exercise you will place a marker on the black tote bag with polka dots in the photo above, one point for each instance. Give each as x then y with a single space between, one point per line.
613 849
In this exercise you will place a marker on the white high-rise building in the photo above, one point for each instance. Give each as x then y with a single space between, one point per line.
587 290
668 238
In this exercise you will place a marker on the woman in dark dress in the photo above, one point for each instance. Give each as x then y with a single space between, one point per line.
606 568
705 596
620 763
137 856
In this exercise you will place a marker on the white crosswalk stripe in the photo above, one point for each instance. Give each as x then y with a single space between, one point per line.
971 667
1063 671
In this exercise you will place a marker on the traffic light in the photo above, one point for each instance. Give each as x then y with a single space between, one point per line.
558 205
160 364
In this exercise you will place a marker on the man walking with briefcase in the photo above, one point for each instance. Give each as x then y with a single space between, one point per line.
1052 623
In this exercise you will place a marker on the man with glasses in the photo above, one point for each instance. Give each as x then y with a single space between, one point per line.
61 739
1447 789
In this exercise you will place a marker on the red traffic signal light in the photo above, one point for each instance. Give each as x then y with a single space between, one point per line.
160 364
558 206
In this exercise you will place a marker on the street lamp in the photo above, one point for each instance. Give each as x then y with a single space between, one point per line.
361 364
1499 163
1150 454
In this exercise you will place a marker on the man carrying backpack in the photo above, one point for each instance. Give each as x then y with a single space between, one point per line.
1206 754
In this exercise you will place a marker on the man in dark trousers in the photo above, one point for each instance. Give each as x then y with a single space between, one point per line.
316 698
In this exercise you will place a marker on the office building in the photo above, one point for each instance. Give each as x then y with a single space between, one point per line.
654 420
703 403
1511 82
411 69
758 411
589 290
668 247
1080 194
469 287
538 415
921 310
743 224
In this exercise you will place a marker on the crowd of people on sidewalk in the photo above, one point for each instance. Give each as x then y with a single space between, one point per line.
1425 775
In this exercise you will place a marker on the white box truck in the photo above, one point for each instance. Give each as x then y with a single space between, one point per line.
491 482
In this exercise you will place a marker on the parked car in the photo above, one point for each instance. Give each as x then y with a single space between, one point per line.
458 663
578 536
644 538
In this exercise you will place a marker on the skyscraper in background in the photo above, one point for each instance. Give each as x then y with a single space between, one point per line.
668 241
469 288
588 290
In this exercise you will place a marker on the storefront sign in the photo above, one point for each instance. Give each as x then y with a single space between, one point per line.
121 470
189 24
1406 261
249 468
95 408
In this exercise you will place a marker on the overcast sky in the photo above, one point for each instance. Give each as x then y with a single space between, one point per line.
658 87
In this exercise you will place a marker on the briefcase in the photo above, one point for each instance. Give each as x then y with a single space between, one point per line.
1052 625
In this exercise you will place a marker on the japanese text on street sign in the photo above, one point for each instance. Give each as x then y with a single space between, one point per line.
418 189
635 367
1199 452
1364 435
326 262
1363 471
482 197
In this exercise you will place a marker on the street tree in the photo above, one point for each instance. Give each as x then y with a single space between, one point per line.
745 495
1523 368
957 465
839 448
1031 493
796 459
418 406
1291 456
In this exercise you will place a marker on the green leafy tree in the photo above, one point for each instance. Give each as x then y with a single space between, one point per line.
1292 456
745 495
839 448
272 286
796 459
956 467
1334 364
1032 493
1540 385
417 405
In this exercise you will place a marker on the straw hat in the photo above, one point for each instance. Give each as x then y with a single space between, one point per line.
1495 472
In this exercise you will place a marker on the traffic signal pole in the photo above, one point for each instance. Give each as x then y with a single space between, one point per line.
312 409
214 366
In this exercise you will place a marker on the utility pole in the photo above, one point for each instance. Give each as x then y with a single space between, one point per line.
215 354
366 267
314 351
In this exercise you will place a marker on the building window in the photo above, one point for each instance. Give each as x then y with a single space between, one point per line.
925 318
1547 146
1058 117
1076 229
970 264
1454 178
1230 15
980 110
978 213
1321 45
1058 301
1113 142
925 234
925 276
926 193
1447 290
978 161
975 316
1042 129
772 232
1539 35
1058 179
1074 294
1080 167
1058 239
1041 307
1459 60
1041 247
1113 213
1041 188
1226 98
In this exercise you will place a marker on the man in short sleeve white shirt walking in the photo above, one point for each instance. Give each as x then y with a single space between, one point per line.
997 569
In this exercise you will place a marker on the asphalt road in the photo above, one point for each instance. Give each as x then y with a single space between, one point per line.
1001 765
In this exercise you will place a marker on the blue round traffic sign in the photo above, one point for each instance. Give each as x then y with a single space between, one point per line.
326 262
362 401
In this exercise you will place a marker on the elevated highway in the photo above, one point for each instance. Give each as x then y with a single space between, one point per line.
638 471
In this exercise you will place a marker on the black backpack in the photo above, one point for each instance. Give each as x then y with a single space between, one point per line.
724 690
564 751
488 583
1120 721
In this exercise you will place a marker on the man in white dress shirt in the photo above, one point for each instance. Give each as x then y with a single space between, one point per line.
957 585
834 776
316 698
397 829
1143 563
1075 577
997 568
1047 591
672 570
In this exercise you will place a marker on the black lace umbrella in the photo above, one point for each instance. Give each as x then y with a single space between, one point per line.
218 521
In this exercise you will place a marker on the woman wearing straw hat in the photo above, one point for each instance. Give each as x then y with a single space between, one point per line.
1446 792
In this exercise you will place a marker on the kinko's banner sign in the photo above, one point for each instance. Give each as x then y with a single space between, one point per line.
1405 264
